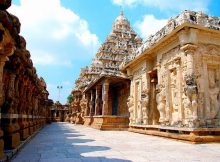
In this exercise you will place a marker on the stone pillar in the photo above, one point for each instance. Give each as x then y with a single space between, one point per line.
91 103
206 87
10 124
189 50
190 89
2 64
98 99
87 111
179 77
105 106
30 109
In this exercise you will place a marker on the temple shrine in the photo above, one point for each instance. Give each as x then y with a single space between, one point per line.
169 86
175 80
104 87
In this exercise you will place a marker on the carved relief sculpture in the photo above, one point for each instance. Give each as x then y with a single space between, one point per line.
145 106
213 94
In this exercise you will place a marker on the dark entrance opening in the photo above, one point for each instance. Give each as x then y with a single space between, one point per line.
114 101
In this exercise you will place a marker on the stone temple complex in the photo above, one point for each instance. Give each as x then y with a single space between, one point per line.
167 85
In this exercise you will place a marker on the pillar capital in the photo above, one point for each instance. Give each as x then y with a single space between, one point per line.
189 48
106 82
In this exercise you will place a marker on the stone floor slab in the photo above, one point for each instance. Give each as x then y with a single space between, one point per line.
64 142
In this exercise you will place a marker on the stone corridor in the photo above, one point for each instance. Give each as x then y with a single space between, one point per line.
76 143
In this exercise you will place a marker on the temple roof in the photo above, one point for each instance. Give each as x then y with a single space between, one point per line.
121 42
120 21
186 17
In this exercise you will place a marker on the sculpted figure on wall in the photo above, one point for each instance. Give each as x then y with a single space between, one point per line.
174 97
130 103
191 93
145 106
83 105
161 103
213 94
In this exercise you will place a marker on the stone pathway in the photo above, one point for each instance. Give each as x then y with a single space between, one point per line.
64 142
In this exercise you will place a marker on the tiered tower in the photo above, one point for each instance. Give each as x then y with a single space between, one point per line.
121 42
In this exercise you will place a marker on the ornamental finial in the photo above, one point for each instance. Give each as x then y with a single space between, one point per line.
121 12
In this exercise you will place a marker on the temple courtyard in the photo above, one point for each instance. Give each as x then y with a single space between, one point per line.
77 143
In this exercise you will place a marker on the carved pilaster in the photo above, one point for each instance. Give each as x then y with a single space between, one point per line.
91 103
105 107
189 50
2 64
98 99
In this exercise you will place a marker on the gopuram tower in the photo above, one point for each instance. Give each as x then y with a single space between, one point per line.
121 42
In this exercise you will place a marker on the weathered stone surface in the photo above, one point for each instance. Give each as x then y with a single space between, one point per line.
68 142
20 87
198 19
179 73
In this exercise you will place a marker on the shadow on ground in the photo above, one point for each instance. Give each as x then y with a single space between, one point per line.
59 142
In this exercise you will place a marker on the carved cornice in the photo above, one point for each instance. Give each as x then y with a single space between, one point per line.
189 48
186 17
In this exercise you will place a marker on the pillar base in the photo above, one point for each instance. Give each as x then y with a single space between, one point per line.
79 119
12 141
88 120
2 155
31 130
24 133
110 122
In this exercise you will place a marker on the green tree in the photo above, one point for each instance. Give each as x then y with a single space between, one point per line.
70 99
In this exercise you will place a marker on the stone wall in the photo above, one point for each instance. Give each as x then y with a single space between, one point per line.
176 83
23 96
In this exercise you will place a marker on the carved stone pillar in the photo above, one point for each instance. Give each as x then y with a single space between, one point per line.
87 111
190 89
91 104
98 99
11 127
105 106
189 50
30 111
2 63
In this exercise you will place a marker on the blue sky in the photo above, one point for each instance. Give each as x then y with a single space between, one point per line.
63 35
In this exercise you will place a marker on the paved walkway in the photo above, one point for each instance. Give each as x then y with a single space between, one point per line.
75 143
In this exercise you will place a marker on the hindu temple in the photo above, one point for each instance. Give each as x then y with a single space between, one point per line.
168 85
104 87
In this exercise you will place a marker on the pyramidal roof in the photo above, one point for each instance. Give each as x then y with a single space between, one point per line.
121 42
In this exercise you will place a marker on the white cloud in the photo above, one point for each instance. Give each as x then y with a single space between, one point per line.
48 23
43 58
173 5
149 25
